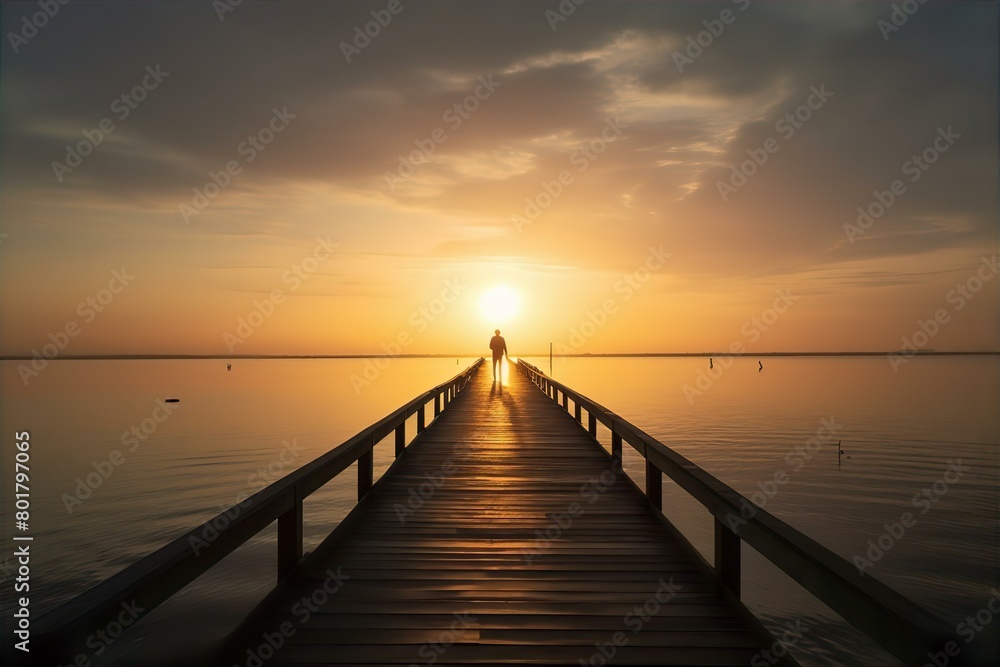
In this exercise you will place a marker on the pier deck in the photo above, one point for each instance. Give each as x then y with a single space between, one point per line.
504 534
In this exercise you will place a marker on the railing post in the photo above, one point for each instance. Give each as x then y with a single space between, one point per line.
577 413
420 419
401 437
727 557
290 535
366 465
437 404
592 424
616 445
565 400
654 485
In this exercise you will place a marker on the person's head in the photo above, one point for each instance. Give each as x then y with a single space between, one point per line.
497 332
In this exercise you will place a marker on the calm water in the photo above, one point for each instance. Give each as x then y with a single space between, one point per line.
234 431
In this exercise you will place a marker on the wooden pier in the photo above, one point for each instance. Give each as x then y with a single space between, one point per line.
504 533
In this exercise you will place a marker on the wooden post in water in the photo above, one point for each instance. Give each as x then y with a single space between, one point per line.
727 557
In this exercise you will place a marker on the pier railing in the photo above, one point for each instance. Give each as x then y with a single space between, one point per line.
905 629
156 577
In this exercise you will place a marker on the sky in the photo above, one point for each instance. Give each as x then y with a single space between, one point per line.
267 178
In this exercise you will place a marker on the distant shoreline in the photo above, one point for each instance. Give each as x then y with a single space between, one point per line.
93 357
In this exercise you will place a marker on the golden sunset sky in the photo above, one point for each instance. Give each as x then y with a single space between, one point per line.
379 186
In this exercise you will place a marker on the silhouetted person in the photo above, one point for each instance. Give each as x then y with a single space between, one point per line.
710 363
499 347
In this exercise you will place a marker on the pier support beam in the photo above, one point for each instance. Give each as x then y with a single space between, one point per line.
401 437
654 485
290 536
727 557
366 470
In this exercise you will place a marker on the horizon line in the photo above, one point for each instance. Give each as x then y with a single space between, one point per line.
436 355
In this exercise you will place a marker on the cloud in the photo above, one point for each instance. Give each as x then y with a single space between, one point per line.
656 183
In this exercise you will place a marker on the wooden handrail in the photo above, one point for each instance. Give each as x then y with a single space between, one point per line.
905 629
159 575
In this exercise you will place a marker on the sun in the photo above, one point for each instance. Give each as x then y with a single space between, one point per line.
499 305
